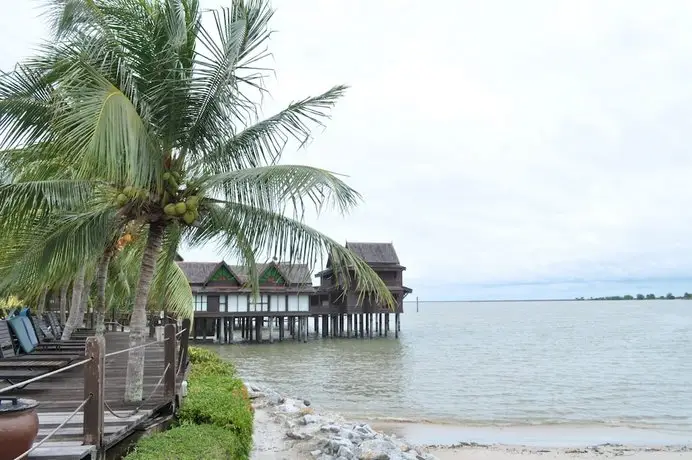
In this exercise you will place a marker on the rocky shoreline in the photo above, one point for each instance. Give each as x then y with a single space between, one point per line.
290 429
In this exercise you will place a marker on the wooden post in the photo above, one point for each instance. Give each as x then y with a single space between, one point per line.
184 341
169 360
396 325
94 385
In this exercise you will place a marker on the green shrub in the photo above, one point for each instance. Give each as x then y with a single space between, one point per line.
202 355
190 442
218 400
209 368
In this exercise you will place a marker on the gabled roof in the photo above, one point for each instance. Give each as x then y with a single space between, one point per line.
375 253
200 272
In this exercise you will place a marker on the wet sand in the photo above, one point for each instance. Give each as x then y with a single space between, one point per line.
555 436
522 453
544 443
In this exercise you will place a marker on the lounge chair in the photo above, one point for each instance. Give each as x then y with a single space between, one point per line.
16 369
45 340
23 330
45 332
15 327
55 326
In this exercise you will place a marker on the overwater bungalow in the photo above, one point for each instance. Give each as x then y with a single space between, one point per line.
225 307
226 311
346 312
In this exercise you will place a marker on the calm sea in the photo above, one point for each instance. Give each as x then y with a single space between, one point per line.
503 372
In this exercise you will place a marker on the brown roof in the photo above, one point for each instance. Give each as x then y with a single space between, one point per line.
375 253
199 272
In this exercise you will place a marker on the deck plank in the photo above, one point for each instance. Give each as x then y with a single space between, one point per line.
63 452
59 395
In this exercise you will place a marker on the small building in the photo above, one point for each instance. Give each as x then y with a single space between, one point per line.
223 303
348 310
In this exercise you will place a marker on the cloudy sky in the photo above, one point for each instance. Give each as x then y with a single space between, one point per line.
534 149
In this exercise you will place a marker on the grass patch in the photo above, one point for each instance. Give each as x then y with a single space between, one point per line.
217 407
188 442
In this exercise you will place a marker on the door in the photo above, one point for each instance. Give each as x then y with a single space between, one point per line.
213 303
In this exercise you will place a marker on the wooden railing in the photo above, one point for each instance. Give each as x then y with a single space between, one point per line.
94 404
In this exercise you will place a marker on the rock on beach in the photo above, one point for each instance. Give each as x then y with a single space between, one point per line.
305 434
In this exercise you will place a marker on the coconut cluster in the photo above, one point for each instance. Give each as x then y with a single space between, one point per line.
179 205
130 194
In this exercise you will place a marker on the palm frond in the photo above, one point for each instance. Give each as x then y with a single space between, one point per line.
277 187
24 202
26 107
232 224
226 70
263 142
171 288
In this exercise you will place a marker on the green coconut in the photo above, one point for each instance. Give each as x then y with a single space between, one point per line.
180 208
166 176
129 191
121 199
177 176
192 202
189 217
142 195
169 209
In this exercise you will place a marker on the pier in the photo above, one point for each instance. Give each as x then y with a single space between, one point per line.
289 307
81 409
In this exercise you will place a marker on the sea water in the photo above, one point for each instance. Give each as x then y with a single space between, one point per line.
558 373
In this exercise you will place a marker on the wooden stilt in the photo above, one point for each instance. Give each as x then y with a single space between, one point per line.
396 325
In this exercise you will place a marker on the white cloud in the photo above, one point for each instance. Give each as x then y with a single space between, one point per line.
494 142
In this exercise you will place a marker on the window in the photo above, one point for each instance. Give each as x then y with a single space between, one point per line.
303 303
292 303
232 302
243 302
222 303
200 302
278 302
261 303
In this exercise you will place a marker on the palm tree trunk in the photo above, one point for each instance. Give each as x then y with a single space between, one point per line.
101 280
77 288
84 303
138 321
42 302
63 303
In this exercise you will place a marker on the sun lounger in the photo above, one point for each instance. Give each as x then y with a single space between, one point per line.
14 369
52 318
46 340
8 351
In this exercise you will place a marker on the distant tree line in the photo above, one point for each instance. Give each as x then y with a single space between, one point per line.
668 296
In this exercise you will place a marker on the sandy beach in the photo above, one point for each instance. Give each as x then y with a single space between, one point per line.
597 452
289 429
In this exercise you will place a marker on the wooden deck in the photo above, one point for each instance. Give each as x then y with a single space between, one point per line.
60 395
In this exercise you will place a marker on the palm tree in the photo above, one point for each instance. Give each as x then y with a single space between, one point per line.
162 108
